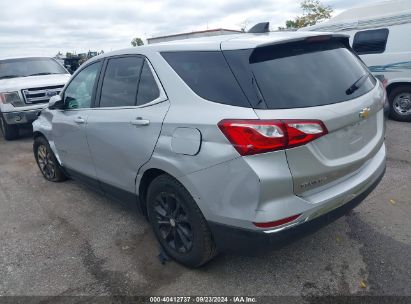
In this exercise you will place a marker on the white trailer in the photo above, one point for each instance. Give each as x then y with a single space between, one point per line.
381 35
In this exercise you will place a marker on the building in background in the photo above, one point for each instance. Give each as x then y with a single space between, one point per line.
198 34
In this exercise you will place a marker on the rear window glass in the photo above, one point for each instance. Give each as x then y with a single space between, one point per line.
208 75
120 82
298 75
147 88
370 42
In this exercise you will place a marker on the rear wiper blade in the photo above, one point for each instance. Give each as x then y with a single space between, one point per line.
356 85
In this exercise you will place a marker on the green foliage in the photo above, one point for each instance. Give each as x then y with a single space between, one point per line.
313 12
137 42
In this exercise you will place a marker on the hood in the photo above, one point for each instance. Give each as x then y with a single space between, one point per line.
20 83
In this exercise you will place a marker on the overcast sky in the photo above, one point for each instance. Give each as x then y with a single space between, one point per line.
44 27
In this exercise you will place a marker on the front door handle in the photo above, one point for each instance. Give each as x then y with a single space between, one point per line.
79 120
140 122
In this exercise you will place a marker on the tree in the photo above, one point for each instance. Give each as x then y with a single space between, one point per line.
137 42
244 25
313 12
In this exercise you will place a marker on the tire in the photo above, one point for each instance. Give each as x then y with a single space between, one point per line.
396 111
9 132
47 162
182 231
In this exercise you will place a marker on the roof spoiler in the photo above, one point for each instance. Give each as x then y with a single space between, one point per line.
263 27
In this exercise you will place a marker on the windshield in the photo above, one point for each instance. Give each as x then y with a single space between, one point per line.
24 67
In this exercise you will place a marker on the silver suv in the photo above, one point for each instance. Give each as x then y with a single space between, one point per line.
224 143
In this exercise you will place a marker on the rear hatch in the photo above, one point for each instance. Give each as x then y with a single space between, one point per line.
316 78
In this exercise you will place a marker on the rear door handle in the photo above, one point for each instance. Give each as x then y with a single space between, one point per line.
140 122
79 120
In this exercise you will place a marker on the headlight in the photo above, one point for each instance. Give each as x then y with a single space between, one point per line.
11 97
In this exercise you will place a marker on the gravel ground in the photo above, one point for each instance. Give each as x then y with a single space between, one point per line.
65 239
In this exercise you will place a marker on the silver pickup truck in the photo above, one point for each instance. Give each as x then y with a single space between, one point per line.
26 85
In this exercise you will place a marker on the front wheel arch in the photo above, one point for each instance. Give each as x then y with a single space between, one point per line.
59 174
37 134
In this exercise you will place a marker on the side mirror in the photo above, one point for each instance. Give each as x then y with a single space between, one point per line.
56 102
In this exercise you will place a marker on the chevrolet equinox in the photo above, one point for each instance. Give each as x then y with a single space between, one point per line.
224 143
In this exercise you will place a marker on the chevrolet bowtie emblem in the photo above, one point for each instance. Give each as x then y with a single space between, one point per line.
365 113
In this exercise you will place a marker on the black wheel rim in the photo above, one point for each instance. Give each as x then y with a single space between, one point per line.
172 222
46 163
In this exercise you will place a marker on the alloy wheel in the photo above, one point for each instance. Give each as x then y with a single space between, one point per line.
172 222
46 163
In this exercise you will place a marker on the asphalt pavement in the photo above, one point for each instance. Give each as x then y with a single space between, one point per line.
65 239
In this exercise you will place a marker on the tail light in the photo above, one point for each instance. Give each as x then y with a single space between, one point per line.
258 136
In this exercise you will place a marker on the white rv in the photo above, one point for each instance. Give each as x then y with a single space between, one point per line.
381 34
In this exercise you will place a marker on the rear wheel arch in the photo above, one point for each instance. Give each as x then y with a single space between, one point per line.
152 173
191 228
148 176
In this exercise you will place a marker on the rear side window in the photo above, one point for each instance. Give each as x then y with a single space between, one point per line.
147 88
120 82
370 42
208 75
297 75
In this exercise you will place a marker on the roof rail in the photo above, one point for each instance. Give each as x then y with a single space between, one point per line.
263 27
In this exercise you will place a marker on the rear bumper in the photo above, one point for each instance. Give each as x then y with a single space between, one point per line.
21 117
237 240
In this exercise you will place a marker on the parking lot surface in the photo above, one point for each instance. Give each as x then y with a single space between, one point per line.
65 239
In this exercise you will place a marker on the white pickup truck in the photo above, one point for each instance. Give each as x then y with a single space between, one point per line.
26 85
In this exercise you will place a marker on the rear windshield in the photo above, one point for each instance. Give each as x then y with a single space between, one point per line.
298 75
293 75
23 67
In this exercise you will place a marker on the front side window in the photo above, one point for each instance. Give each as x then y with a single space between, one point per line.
79 92
370 41
121 82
